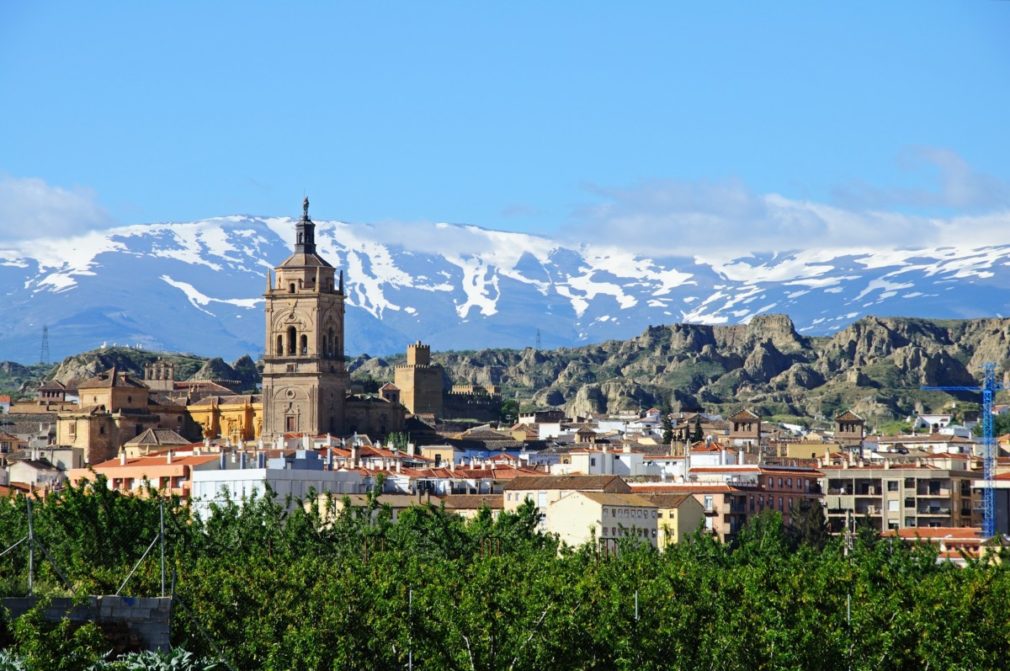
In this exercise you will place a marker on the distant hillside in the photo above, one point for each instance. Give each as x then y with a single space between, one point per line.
875 366
23 380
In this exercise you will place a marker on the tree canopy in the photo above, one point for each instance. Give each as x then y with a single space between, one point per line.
266 585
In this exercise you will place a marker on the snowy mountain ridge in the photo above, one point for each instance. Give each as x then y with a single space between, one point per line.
197 287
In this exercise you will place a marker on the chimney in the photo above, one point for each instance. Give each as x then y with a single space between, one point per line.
168 457
412 449
722 457
122 458
354 456
397 465
452 465
206 441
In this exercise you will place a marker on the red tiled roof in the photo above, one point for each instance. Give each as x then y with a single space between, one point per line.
961 534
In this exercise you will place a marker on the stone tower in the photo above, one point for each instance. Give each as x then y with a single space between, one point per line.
304 379
420 382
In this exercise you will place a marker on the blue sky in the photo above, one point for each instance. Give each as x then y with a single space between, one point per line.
575 119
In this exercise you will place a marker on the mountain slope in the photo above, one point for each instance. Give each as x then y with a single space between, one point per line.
196 287
874 366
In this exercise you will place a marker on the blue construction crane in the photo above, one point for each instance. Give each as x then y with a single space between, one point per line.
988 390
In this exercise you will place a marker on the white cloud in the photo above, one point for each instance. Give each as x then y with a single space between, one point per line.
31 208
722 220
957 186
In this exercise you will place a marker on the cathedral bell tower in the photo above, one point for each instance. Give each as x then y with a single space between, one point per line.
304 379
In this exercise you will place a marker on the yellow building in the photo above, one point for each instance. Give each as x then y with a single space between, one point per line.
679 515
113 408
805 449
234 417
440 455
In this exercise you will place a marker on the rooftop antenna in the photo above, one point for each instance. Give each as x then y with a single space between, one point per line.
44 352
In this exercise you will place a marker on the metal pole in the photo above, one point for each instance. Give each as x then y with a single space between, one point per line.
410 623
31 551
161 534
636 605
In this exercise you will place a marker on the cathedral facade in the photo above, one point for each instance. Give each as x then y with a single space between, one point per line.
305 381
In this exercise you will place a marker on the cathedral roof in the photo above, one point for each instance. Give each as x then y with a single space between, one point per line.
297 260
111 378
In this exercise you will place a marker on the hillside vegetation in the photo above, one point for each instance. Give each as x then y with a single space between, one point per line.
875 367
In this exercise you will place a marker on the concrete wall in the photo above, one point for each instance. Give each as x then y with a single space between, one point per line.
147 618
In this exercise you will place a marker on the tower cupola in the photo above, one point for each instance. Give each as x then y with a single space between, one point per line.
305 232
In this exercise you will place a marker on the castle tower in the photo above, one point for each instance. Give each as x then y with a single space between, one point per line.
304 379
420 382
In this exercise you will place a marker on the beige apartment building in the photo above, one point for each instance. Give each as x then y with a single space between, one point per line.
545 490
582 517
934 492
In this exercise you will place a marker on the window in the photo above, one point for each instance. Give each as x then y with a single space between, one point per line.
708 503
909 502
289 424
291 339
304 349
780 503
789 482
892 506
892 485
280 345
291 288
909 483
592 461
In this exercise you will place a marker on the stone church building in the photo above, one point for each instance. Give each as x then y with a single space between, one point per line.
305 382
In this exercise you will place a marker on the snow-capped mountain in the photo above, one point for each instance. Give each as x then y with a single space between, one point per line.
197 287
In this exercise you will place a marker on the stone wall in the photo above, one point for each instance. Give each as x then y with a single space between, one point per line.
145 619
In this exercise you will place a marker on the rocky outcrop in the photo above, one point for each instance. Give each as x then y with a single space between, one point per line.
876 365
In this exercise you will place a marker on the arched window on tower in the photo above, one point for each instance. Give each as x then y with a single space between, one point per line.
304 345
331 344
291 288
291 340
280 345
